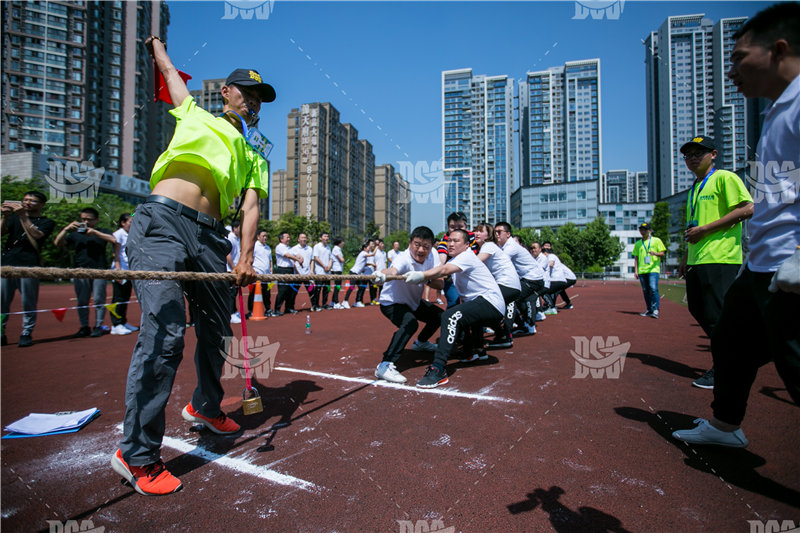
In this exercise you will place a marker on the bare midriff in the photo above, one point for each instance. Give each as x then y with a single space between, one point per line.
191 185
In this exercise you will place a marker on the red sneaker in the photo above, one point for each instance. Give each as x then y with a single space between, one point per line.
221 424
151 480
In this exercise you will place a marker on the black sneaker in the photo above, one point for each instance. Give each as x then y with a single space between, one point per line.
499 344
432 378
292 311
25 341
706 381
83 332
477 355
276 313
568 307
97 332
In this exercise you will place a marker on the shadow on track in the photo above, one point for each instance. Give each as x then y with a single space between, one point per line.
668 365
562 518
735 465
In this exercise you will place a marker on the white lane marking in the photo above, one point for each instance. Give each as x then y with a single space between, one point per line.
239 465
382 383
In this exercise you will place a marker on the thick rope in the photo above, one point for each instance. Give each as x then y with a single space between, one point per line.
93 273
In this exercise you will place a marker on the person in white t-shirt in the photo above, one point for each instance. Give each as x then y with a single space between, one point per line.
336 268
555 274
380 264
403 305
233 258
302 268
507 279
571 278
362 266
482 305
121 288
284 264
323 263
530 274
262 263
393 252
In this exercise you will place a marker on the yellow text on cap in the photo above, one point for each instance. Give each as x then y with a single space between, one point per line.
255 76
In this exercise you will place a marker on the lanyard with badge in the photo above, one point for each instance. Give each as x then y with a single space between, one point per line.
259 144
647 249
693 201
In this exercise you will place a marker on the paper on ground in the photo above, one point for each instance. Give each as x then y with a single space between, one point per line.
37 423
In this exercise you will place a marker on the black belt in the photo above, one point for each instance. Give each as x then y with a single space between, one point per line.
188 212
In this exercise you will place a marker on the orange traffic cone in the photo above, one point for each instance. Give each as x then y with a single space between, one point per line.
258 304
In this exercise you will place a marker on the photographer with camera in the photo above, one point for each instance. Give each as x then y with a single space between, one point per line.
90 252
27 230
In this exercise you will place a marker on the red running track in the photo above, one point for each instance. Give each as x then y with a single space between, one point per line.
515 444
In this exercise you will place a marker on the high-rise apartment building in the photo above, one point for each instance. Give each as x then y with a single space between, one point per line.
330 172
78 81
392 200
477 144
560 124
688 94
210 96
622 187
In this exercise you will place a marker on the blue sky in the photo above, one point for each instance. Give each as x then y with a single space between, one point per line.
380 63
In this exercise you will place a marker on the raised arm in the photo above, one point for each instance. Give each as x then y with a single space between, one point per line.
175 84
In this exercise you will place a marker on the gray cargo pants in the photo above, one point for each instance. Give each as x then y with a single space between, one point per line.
160 239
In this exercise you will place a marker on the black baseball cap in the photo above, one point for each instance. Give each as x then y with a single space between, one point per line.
644 225
251 78
700 140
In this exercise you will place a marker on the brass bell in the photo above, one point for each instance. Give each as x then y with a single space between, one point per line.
253 405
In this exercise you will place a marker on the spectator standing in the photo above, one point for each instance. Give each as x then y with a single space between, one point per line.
121 289
27 232
648 252
233 258
303 267
89 244
284 264
323 264
262 264
336 268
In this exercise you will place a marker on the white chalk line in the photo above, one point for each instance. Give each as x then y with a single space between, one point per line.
381 383
239 465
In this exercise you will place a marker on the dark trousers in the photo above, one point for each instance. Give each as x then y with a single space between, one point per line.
265 295
121 293
756 326
706 286
162 240
320 289
284 290
563 293
526 303
510 296
407 323
459 318
336 286
553 291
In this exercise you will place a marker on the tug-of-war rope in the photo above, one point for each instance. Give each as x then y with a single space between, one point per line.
52 273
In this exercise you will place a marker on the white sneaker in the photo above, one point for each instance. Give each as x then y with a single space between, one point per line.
426 346
120 330
337 305
130 327
359 304
345 305
655 314
540 316
551 311
388 371
531 329
236 319
705 433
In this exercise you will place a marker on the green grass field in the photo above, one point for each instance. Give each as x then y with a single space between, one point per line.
676 293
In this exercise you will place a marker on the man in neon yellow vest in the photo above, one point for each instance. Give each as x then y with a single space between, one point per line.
648 252
208 162
718 202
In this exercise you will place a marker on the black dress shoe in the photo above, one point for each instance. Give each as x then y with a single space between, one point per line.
83 332
97 332
292 311
276 313
25 341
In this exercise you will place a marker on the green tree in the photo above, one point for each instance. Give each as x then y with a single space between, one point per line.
547 234
660 222
402 236
601 248
526 235
568 247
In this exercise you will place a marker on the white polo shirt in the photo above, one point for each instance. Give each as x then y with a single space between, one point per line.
527 267
280 256
122 238
556 273
305 252
323 253
335 255
262 258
